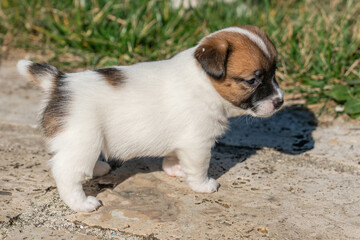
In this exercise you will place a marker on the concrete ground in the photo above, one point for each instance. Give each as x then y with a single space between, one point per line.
291 176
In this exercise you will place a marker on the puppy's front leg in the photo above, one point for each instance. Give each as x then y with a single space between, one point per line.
195 164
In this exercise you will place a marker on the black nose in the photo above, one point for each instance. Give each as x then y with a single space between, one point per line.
278 102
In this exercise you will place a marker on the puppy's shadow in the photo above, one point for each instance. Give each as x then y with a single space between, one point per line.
120 172
289 131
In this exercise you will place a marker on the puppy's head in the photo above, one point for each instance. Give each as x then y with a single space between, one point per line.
241 63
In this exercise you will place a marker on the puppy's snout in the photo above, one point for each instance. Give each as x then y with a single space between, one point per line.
278 102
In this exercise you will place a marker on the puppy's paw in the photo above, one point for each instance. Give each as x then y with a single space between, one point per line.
90 204
210 185
173 170
101 168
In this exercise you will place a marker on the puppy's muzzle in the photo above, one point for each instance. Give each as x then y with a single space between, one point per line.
278 102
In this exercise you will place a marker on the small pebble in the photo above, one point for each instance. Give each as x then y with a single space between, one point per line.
262 229
339 108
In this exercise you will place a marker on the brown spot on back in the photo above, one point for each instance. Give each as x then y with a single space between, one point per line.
56 108
112 75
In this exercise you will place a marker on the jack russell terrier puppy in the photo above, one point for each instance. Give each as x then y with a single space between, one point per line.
174 108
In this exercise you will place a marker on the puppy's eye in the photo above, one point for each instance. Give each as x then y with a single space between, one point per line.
251 81
238 79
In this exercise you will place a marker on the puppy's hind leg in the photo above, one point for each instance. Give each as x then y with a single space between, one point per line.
76 154
101 167
172 167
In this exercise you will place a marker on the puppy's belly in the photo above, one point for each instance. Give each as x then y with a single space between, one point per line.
140 126
125 144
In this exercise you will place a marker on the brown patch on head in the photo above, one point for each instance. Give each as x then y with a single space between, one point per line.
56 108
269 45
231 60
113 76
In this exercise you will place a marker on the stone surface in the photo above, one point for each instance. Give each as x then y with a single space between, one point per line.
45 233
286 177
289 199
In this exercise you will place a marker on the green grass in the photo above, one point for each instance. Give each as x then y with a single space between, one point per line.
318 41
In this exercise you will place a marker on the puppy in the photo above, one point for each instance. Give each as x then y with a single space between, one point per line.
174 108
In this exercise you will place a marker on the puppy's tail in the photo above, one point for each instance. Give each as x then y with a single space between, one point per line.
41 74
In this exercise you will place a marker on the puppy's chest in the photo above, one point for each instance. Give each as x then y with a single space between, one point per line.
222 126
216 126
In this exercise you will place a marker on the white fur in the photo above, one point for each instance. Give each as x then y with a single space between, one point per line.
165 108
22 67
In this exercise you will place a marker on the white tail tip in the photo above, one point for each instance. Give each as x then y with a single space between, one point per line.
23 66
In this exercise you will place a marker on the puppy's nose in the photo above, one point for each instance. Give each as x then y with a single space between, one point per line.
278 102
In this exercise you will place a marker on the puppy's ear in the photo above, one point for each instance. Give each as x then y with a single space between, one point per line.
212 55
